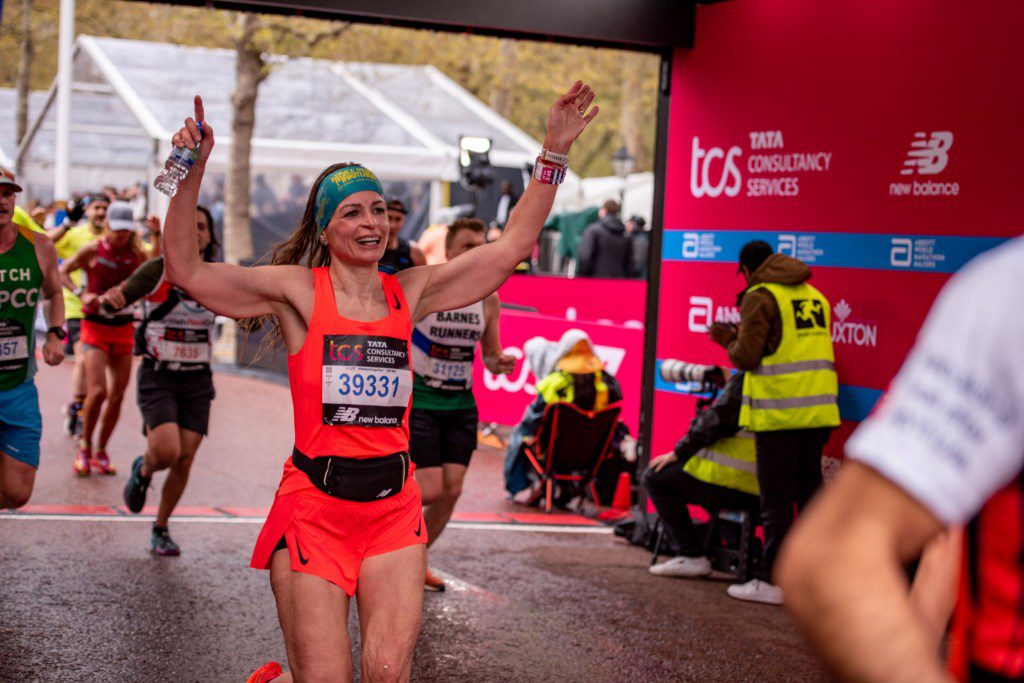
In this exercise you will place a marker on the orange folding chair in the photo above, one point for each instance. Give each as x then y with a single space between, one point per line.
571 444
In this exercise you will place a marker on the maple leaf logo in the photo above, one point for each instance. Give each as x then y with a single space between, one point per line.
842 310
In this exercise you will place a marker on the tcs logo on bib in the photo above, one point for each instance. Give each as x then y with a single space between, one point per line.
344 352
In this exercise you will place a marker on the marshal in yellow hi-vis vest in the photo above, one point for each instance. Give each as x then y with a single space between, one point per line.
730 463
795 387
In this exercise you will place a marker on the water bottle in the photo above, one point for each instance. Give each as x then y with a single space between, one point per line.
176 168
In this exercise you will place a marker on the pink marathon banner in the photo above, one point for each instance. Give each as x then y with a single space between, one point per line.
503 399
618 302
874 141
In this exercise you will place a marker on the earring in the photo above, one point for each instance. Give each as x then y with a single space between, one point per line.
323 239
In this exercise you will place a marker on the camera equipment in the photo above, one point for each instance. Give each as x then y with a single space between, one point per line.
708 378
673 370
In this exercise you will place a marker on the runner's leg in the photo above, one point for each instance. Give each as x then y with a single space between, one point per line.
177 478
94 364
314 619
16 482
439 512
120 370
430 481
390 599
163 448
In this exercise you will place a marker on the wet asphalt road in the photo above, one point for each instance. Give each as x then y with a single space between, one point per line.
82 600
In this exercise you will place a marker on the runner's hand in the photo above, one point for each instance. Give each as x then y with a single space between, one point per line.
568 117
153 224
664 460
113 298
88 298
189 134
53 350
504 364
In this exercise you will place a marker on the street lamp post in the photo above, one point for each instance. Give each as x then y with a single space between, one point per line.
622 165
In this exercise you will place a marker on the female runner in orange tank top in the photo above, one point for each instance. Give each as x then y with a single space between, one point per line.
346 521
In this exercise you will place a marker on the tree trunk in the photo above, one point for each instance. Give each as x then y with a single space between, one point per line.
631 125
501 94
24 70
248 74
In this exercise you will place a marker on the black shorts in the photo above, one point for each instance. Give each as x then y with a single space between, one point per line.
440 436
179 397
74 329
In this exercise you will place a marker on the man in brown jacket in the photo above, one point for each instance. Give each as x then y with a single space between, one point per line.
789 394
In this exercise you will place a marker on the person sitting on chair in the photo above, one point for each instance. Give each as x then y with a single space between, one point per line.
569 372
719 470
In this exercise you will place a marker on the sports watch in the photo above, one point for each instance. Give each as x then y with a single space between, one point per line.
57 332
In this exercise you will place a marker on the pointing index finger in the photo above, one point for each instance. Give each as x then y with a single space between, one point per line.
200 114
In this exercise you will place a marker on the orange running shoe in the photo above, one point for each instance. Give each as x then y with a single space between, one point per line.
433 583
265 673
81 463
101 463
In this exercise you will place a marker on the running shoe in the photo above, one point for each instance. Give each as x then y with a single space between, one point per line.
161 543
682 567
756 590
433 583
135 487
265 673
81 463
101 463
70 411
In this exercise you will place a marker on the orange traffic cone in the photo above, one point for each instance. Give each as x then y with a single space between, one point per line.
623 497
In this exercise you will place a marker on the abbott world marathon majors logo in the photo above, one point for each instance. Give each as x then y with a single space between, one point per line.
771 170
927 155
704 312
846 330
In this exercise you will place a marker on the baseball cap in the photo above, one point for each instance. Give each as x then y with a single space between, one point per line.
397 205
7 178
120 216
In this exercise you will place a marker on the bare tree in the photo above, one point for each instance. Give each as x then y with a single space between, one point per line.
504 81
24 70
250 70
253 37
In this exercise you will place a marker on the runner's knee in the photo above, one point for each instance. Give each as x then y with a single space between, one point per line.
96 392
452 490
14 499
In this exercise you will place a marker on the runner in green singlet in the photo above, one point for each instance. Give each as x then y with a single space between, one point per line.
28 269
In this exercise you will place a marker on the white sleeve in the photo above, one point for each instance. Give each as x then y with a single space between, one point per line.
950 431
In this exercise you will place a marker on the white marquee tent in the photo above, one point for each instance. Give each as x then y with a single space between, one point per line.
403 121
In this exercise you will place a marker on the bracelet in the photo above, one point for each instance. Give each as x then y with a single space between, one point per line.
554 157
547 173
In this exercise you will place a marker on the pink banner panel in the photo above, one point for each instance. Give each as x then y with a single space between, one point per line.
503 399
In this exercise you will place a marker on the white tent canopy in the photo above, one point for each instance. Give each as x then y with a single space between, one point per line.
128 96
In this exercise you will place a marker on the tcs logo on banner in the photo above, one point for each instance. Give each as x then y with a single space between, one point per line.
708 177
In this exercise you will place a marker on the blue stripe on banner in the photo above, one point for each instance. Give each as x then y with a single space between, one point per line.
855 403
915 253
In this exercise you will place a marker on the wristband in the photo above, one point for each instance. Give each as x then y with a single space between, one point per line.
554 157
548 174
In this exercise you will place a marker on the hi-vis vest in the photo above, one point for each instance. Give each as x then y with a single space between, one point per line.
795 387
729 462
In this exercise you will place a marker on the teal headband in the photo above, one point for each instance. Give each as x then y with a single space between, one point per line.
341 184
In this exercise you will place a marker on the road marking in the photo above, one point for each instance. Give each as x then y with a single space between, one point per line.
188 519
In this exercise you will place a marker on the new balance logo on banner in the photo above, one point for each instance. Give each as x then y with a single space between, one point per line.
928 154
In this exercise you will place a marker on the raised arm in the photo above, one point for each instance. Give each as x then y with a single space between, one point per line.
53 300
479 272
226 289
